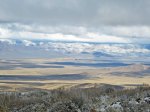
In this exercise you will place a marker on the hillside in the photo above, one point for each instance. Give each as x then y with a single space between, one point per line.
102 99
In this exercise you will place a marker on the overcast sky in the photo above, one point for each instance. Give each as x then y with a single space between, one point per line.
76 20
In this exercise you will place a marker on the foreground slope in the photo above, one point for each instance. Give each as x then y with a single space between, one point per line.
106 98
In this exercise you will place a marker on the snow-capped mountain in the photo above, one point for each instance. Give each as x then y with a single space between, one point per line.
42 48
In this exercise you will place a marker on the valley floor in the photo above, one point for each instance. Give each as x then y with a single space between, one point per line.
55 73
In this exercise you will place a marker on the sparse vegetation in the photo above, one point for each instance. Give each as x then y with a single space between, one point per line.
78 100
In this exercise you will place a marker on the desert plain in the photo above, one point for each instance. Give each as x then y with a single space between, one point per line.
26 74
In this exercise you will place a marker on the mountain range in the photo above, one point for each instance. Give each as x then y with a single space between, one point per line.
23 48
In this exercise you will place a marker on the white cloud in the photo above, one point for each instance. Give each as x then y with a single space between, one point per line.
5 33
131 31
118 34
106 38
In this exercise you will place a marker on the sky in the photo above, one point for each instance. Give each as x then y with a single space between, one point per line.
120 21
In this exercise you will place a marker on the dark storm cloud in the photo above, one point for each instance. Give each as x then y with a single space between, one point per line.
76 12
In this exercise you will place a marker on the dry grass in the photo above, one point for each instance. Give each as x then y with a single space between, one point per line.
69 100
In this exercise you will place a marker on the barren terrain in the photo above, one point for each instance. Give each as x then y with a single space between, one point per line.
55 73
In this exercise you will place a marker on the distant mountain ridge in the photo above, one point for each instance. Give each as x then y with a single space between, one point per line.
41 48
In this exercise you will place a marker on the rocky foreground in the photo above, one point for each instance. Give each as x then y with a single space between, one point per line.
103 99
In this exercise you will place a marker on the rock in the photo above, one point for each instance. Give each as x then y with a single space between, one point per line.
117 106
147 100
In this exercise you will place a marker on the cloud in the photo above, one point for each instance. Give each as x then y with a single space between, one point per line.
116 34
76 20
80 34
76 12
127 31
